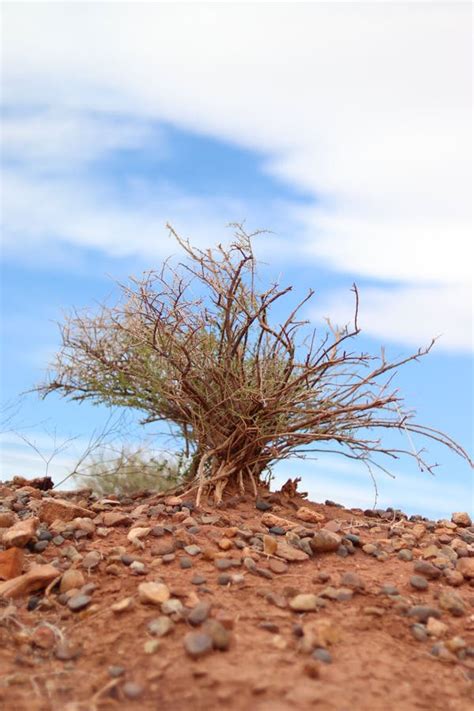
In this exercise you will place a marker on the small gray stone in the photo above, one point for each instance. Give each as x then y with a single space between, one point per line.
185 563
79 602
418 582
115 671
219 634
198 579
427 569
160 627
199 613
132 690
198 644
192 550
405 554
422 612
322 655
419 632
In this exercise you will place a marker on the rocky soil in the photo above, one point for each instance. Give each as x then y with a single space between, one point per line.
275 605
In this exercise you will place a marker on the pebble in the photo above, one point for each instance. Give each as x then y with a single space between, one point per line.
198 644
419 632
325 541
427 569
277 566
161 626
153 593
405 554
388 589
185 563
132 690
352 580
138 568
223 563
66 652
115 671
122 605
199 613
422 612
436 628
91 560
262 505
173 606
198 579
461 518
322 655
418 582
304 602
79 602
192 550
452 602
219 634
224 579
71 579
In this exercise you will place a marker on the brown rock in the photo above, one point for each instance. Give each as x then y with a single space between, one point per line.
461 518
60 509
277 566
72 579
269 545
287 552
11 563
308 515
153 593
115 518
7 519
325 541
269 520
21 533
37 578
466 567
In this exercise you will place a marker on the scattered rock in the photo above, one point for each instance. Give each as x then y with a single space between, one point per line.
37 578
308 515
153 593
192 550
132 690
289 553
21 533
322 655
461 518
421 613
115 518
436 628
52 510
161 626
304 602
325 541
198 644
465 566
353 581
428 570
122 605
79 602
263 505
11 563
219 634
270 521
418 582
452 602
71 579
199 613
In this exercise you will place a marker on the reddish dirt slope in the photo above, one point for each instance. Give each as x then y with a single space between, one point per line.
374 629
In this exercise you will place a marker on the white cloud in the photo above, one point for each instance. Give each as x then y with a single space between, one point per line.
366 106
419 313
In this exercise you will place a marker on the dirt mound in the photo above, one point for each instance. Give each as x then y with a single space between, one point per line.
274 605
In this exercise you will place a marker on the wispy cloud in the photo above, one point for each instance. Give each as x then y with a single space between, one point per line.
364 106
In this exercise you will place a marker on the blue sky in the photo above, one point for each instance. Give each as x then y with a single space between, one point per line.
343 128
